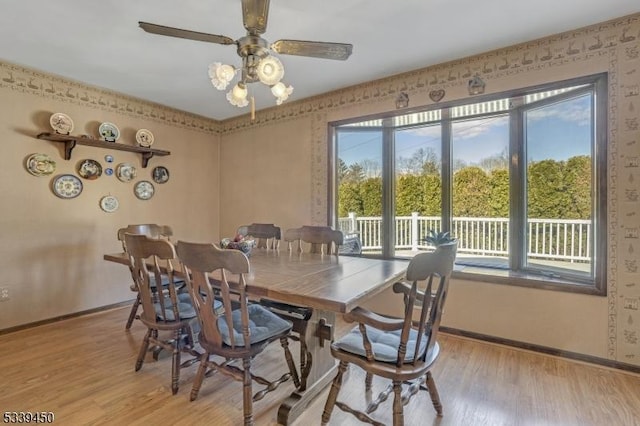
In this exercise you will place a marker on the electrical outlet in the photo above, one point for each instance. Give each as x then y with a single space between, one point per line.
4 294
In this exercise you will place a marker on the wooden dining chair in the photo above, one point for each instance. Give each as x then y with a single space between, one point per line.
266 235
242 331
402 350
318 239
164 309
151 230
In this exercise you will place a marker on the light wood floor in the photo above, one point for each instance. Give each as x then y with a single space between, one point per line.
83 371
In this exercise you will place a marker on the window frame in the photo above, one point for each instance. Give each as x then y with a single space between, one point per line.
516 274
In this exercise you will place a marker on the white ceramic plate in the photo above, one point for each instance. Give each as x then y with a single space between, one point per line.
144 190
40 165
144 138
67 186
109 132
61 123
109 203
126 172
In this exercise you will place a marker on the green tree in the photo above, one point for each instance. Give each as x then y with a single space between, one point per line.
546 195
577 179
499 193
432 195
409 194
471 192
371 193
349 199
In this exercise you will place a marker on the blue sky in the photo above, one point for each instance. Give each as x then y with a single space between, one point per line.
557 131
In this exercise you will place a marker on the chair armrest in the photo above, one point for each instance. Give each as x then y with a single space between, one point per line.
372 319
405 288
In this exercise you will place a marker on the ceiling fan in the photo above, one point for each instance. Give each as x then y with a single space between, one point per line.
258 64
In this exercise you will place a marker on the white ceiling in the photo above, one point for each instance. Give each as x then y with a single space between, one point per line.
99 42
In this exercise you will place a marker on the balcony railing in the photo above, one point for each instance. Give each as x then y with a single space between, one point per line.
548 239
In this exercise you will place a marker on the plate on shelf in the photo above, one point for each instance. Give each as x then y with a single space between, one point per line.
160 174
126 172
89 169
144 190
109 132
40 165
109 203
144 138
61 123
67 186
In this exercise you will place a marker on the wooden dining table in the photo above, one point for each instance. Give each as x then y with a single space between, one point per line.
327 284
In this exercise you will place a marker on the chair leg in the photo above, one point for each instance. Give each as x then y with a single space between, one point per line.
433 392
284 341
368 382
134 311
398 414
197 381
175 367
333 393
247 396
143 350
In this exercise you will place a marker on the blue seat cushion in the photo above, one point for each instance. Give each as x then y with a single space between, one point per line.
165 280
185 308
384 344
263 324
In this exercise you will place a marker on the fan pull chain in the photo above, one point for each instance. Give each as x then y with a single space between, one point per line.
253 108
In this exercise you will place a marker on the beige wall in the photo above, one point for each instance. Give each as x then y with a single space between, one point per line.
290 145
51 251
274 169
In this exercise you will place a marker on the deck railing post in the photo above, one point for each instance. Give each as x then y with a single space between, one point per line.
352 222
414 231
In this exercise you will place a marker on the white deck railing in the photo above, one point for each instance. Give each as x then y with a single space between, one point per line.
553 239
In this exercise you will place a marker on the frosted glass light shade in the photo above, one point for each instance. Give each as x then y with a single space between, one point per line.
281 92
221 75
270 70
238 95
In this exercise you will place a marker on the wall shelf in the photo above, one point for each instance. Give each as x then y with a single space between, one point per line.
70 142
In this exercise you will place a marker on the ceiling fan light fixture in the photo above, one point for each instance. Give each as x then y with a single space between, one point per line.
238 96
281 92
221 75
270 70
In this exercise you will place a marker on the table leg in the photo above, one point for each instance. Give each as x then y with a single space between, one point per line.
322 369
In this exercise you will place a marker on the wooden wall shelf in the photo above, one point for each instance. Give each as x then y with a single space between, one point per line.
70 142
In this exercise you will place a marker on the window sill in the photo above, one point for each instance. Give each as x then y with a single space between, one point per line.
522 279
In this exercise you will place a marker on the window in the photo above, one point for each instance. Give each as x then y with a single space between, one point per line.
518 178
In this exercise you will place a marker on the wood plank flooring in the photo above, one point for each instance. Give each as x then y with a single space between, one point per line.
82 370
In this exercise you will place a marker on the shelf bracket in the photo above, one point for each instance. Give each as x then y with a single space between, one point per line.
146 156
68 148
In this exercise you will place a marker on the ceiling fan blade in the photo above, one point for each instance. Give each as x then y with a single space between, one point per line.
190 35
316 49
254 15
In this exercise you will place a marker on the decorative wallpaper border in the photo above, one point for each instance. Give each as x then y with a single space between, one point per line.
36 83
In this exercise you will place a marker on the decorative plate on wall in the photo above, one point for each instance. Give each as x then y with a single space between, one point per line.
160 174
61 123
109 132
40 165
109 203
144 138
126 172
144 190
67 186
89 169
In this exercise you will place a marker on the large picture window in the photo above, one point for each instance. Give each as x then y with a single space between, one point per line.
519 179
